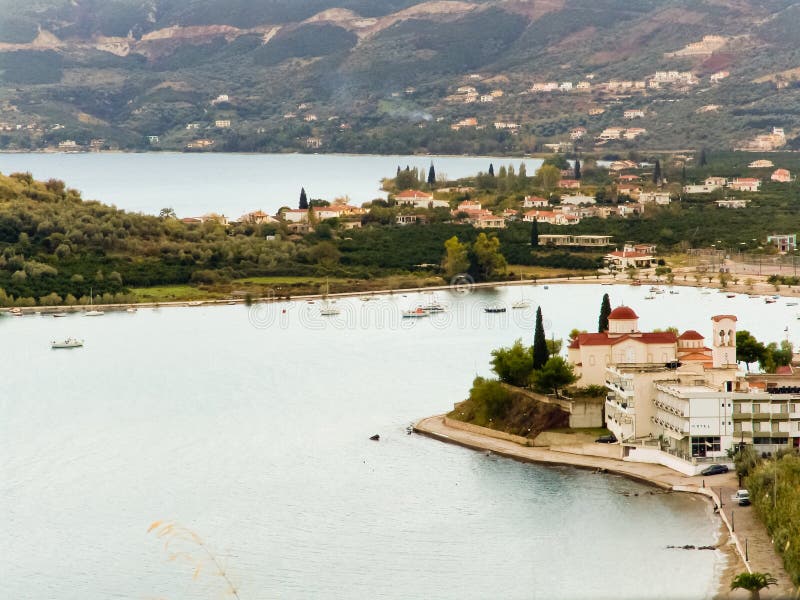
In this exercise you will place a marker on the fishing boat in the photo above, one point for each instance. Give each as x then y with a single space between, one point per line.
650 297
417 313
67 343
58 315
433 305
494 309
16 312
769 300
521 304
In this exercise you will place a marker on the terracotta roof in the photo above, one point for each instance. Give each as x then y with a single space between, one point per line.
603 339
784 370
623 312
719 318
696 357
413 194
622 254
691 334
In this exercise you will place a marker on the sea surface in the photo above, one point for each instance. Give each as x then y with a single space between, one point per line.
250 428
233 184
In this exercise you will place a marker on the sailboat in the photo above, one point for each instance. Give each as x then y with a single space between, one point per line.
329 309
91 312
522 302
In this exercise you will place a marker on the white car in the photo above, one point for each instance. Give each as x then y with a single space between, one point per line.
742 497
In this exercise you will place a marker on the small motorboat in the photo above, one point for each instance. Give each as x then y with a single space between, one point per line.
521 304
16 312
650 297
131 309
791 304
67 343
94 313
730 295
59 314
494 309
417 313
770 300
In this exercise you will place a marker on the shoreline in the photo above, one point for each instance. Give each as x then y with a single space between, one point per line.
729 543
577 280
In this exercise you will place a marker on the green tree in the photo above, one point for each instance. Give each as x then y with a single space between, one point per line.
456 258
167 213
303 205
554 375
547 177
753 582
540 351
535 233
431 175
491 170
702 160
513 365
657 172
406 180
577 169
748 348
491 396
488 259
605 310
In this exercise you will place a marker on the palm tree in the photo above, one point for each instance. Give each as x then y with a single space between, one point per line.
753 583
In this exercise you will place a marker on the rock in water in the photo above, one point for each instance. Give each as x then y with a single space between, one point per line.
375 438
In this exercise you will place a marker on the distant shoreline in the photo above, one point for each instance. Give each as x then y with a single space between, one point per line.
577 280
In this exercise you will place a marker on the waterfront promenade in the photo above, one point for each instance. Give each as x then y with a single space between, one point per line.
740 526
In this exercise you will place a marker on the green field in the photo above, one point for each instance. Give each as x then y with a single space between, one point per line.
173 293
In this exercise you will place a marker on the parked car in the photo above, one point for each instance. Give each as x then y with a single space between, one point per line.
606 439
742 497
714 470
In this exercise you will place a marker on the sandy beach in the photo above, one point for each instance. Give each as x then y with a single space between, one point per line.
741 533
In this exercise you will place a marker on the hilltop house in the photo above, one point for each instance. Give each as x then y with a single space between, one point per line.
535 202
745 184
781 175
419 199
551 217
661 198
624 259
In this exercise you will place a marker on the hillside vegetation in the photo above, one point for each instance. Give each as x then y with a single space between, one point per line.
384 75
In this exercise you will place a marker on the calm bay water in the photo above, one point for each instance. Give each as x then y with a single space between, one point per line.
233 184
251 426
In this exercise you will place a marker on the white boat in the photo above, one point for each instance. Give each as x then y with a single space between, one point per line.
92 312
417 313
791 304
650 297
521 304
674 292
67 343
16 312
194 303
59 314
769 300
329 309
433 306
131 309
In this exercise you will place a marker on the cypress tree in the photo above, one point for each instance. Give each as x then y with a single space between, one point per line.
577 168
702 160
431 175
657 172
540 351
303 199
491 170
535 233
605 310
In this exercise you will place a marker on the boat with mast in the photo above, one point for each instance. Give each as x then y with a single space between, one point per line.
91 312
328 309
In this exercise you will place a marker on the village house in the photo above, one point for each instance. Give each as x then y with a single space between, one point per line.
584 86
596 111
719 76
629 209
565 86
199 144
505 125
745 184
633 132
294 215
781 175
222 123
577 199
419 199
701 188
577 133
718 182
550 86
257 217
569 184
409 219
761 164
469 206
622 165
736 203
535 202
661 198
487 98
611 133
624 259
631 189
633 114
486 220
783 242
336 211
550 217
578 241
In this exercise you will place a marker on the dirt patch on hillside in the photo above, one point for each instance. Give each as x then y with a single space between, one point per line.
534 10
525 417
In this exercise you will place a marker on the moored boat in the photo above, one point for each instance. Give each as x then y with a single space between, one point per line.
67 343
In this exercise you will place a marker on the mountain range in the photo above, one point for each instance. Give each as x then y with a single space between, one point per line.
398 75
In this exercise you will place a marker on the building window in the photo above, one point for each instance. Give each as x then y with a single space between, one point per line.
591 360
704 444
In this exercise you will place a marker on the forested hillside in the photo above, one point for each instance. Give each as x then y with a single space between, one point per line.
396 75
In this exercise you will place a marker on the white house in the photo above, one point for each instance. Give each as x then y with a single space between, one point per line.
661 198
